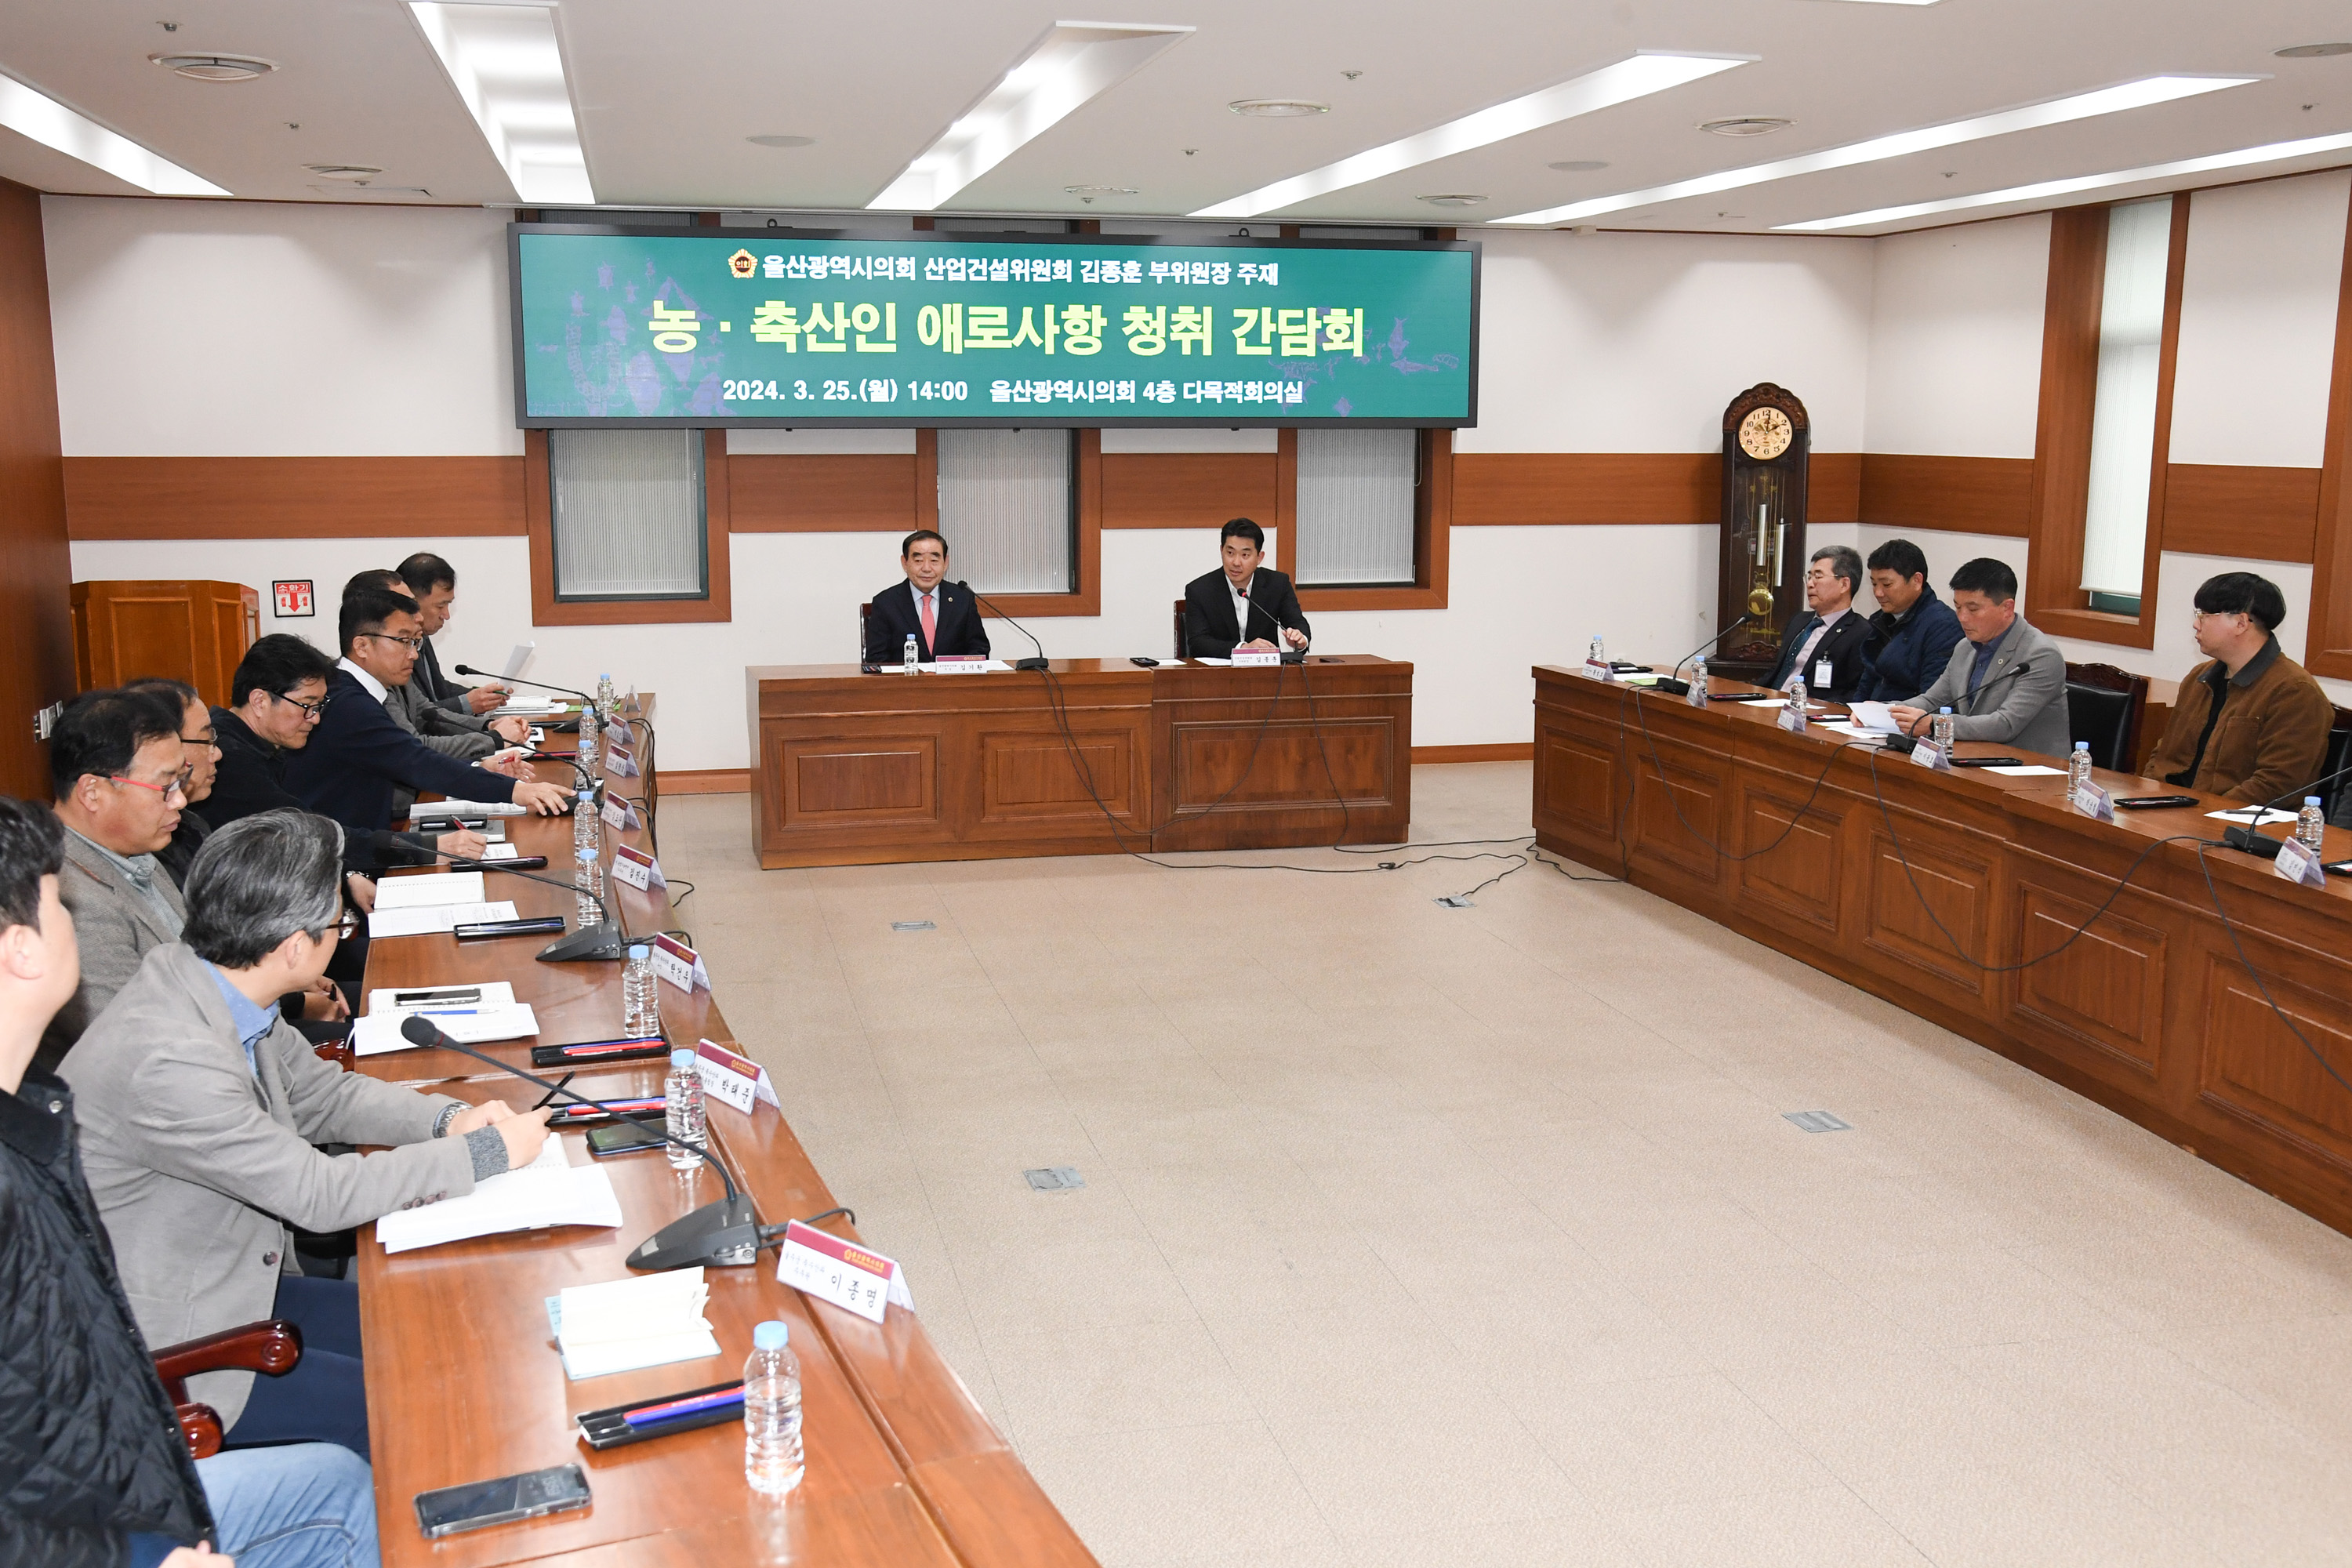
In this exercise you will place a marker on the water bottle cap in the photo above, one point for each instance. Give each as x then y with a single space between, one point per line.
2310 800
771 1335
682 1058
638 951
1943 711
2081 745
585 853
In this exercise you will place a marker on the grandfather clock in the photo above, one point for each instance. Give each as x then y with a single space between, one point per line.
1766 439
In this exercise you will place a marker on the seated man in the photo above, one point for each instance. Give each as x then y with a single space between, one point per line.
200 1110
1243 604
462 736
2250 723
93 1465
2005 680
357 757
1826 647
433 584
121 774
942 618
1915 629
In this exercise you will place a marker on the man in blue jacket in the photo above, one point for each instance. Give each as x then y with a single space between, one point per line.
357 755
1916 630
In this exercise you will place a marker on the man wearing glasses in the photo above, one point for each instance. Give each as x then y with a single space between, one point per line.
2250 723
121 774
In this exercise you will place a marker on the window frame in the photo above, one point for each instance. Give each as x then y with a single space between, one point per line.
1085 497
547 610
1432 526
2056 600
2328 648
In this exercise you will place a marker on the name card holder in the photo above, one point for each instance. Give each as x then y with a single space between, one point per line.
637 868
2093 801
1598 670
831 1270
1254 657
1928 755
1792 720
620 814
961 664
738 1080
679 964
2298 862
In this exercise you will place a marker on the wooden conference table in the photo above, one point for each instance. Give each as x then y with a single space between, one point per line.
463 1379
854 769
2151 1012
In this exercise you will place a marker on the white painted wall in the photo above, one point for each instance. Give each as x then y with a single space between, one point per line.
1956 340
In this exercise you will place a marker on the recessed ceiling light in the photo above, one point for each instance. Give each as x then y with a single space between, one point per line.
1278 108
507 66
2269 153
40 118
1579 166
344 171
1636 76
2312 51
1070 64
1100 190
2058 111
216 67
1456 200
781 141
1746 126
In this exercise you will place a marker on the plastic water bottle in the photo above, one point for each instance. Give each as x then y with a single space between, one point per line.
910 657
683 1091
771 1412
1698 698
2078 766
605 694
1598 654
2311 826
588 733
640 995
585 834
1797 693
588 875
1940 728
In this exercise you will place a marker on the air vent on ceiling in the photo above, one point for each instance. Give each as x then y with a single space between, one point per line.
1278 108
216 67
1454 199
781 141
1579 166
2312 51
360 173
363 190
1746 125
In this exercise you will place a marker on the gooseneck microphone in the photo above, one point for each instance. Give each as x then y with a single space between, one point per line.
725 1234
607 940
1674 682
1970 697
2246 836
519 680
1290 655
1041 661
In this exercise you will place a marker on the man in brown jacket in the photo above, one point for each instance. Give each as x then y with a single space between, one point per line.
2250 724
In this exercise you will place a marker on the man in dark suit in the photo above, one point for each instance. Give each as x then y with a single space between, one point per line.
357 755
943 617
1243 604
1832 640
433 584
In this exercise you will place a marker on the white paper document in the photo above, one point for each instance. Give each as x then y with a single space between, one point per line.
517 659
549 1191
380 1032
1204 658
649 1321
418 892
2253 816
404 1000
432 920
1874 716
2029 771
435 810
500 852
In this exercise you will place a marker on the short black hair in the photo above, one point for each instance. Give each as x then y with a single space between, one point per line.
906 545
1901 557
425 571
277 664
179 693
1985 575
383 577
260 879
366 609
100 731
1845 562
32 845
1241 528
2243 592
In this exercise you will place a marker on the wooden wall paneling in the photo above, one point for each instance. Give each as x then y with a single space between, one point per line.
2329 648
926 478
1188 489
1504 488
1947 879
1834 486
1960 495
871 492
2099 999
295 497
2253 1070
2265 514
36 640
191 631
1796 851
538 512
1680 818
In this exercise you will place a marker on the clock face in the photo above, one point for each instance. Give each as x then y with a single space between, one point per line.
1765 433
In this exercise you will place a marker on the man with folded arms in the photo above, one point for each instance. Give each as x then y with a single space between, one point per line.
93 1465
357 757
200 1112
2006 681
2250 723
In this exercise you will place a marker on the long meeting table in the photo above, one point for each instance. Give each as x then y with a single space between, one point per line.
1957 896
463 1378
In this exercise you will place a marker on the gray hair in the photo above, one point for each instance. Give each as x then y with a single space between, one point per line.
1845 562
260 879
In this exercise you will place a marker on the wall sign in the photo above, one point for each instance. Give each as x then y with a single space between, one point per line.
294 600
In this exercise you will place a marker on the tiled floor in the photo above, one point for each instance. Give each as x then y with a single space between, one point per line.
1417 1235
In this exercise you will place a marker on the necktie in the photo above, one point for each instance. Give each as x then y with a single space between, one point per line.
930 624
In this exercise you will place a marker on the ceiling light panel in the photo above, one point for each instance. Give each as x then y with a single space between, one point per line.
507 65
40 118
2049 190
1637 77
2140 94
1070 65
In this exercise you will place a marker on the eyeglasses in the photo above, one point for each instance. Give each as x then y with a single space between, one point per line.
178 784
315 710
412 645
349 926
2198 617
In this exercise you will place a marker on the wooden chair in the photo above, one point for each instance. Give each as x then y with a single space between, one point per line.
272 1347
1181 639
2335 792
865 614
2103 706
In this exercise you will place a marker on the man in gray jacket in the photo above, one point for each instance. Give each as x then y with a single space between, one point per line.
2006 681
199 1107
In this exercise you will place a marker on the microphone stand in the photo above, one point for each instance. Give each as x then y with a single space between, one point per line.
608 939
1671 683
1288 654
1902 744
1041 661
2248 836
727 1233
541 685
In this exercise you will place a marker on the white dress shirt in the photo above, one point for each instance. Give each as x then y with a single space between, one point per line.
1800 670
1241 606
376 688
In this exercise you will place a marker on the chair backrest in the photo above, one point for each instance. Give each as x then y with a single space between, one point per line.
2339 751
2103 706
1181 652
865 614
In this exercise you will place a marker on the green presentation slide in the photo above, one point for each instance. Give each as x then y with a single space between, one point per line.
720 327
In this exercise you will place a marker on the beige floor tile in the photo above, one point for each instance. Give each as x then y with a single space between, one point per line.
1420 1467
1064 1383
1874 1413
1639 1447
1823 1527
2071 1514
1142 1498
1573 1540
